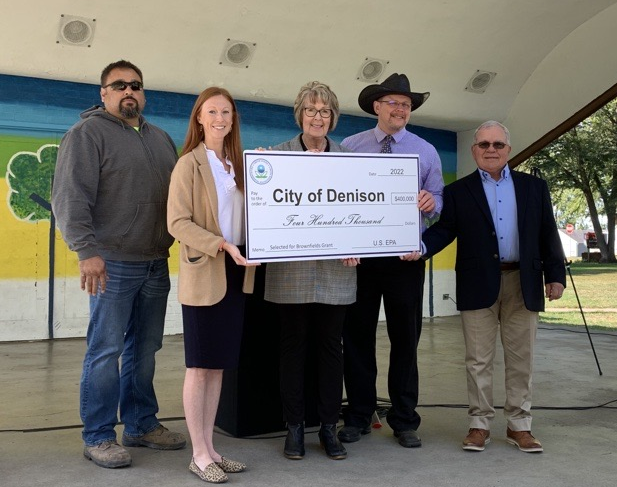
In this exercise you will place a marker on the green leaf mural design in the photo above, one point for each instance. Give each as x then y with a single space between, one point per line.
29 177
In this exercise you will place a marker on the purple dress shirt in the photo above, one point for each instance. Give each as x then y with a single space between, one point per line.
431 179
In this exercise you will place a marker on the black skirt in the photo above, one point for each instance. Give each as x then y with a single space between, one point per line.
213 334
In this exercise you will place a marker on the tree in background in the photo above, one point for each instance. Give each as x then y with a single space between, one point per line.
581 166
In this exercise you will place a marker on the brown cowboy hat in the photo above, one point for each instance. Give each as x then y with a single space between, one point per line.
395 84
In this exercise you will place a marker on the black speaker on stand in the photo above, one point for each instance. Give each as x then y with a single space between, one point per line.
250 403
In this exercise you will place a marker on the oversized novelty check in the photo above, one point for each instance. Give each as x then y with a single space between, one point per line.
306 206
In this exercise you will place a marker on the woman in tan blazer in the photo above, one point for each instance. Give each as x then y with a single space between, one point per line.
205 212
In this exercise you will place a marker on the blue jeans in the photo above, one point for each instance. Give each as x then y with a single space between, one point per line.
126 324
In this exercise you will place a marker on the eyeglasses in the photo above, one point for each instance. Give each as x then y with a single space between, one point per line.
122 85
312 111
496 145
395 105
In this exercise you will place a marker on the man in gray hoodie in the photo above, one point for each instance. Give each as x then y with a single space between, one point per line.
110 198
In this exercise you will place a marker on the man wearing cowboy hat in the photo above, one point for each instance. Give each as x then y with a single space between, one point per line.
398 280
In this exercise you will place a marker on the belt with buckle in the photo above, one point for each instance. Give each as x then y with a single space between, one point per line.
509 266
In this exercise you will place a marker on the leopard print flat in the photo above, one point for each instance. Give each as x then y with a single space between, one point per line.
212 473
230 466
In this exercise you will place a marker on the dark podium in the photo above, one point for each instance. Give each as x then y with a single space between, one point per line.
250 403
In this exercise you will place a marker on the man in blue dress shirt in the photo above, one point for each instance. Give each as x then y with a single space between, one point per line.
508 258
398 280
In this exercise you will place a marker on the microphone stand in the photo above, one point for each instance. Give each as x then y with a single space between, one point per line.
536 172
580 307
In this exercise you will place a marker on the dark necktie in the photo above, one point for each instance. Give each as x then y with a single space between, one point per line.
386 148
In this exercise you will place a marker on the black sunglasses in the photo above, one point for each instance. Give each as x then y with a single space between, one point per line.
486 145
122 85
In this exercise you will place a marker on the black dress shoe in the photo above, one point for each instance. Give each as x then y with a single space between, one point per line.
328 440
351 434
294 443
408 438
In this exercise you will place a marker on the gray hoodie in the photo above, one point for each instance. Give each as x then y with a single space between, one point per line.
110 188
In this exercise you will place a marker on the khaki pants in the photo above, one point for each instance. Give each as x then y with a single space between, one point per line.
517 327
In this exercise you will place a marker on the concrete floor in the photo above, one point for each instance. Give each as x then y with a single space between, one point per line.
40 442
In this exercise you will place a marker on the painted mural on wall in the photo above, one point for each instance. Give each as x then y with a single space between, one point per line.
36 266
28 166
29 177
26 223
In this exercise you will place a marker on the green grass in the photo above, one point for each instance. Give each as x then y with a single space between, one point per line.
596 286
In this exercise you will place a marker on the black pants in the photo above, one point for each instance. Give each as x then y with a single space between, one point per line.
401 284
298 323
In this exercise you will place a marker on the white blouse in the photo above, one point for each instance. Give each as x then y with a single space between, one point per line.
230 200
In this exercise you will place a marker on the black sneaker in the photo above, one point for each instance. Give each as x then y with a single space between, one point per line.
351 434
